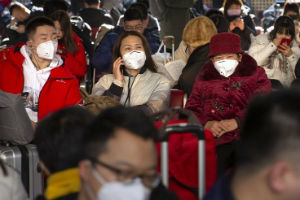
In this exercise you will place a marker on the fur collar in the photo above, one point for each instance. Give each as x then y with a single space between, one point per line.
246 67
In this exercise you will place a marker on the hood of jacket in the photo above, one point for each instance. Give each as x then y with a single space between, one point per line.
246 67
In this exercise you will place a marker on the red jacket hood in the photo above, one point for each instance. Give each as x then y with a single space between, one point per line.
246 67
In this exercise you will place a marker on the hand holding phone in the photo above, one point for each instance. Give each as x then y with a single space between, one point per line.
285 48
117 71
285 41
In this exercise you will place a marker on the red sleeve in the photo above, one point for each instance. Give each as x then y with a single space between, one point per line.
76 63
73 97
195 103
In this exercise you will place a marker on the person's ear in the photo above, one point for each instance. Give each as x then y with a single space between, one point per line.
44 168
84 167
146 22
278 177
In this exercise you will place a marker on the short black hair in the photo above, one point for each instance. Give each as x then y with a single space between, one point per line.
104 125
92 2
59 138
54 5
284 24
35 23
271 130
133 14
142 8
218 19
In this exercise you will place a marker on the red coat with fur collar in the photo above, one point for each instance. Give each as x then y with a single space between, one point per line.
215 97
60 90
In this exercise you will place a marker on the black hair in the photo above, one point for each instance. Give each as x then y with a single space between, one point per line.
38 3
283 25
54 5
291 7
92 2
270 131
59 138
142 8
36 22
133 14
228 3
149 63
103 128
145 2
218 19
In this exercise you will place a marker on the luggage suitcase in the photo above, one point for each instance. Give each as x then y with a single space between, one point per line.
184 128
24 159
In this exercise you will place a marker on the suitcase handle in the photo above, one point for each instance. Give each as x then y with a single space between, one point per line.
198 130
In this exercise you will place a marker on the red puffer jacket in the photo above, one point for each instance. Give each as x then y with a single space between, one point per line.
215 97
76 63
60 90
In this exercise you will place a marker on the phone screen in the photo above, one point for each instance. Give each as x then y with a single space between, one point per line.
287 41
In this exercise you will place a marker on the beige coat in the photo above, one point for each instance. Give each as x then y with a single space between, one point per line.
181 53
261 49
148 88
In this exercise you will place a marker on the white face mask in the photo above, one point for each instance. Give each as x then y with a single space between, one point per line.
47 50
134 59
226 67
120 191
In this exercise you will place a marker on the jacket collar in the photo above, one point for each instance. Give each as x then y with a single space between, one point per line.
246 67
56 73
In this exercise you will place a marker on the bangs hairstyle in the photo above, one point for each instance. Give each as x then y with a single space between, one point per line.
291 7
283 25
36 22
149 64
68 40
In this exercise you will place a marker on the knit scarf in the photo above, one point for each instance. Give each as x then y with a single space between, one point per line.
63 183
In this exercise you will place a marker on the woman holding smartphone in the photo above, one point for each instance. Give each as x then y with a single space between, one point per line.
277 52
135 81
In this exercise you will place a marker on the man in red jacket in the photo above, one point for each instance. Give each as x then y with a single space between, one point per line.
38 73
222 91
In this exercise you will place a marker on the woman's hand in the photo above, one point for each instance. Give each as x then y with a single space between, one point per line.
229 124
117 69
239 23
285 50
215 127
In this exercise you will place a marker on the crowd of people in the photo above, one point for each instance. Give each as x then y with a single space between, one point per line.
243 87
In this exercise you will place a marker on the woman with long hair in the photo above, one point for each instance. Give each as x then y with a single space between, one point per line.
70 47
277 52
135 81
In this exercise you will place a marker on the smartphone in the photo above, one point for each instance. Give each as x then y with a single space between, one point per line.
287 41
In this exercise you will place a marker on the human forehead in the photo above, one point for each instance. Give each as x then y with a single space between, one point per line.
45 30
234 6
133 22
131 40
130 150
225 55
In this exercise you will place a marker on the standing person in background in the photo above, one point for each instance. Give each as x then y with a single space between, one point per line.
277 52
70 47
174 16
292 10
94 15
239 24
221 93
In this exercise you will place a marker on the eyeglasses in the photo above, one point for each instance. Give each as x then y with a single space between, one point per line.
150 181
138 27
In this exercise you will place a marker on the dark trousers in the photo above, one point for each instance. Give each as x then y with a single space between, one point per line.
225 157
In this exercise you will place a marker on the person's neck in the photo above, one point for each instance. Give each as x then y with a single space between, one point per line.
133 72
251 187
39 63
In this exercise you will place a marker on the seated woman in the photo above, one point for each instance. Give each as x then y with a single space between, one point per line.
221 93
70 47
277 52
134 81
239 23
